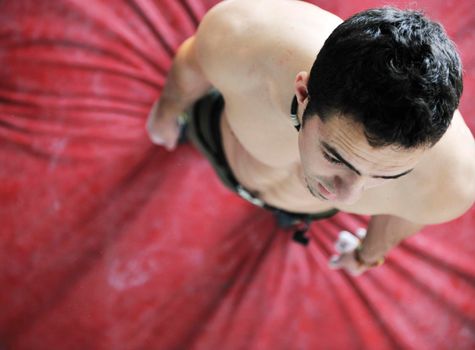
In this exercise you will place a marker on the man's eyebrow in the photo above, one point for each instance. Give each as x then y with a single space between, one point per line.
337 155
393 176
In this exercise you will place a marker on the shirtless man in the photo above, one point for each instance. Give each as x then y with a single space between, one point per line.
374 112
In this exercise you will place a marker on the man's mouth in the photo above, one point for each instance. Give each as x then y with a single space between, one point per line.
325 193
316 193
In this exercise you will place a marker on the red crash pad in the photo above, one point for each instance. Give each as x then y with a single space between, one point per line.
110 242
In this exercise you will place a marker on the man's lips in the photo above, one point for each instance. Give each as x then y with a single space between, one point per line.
324 192
319 191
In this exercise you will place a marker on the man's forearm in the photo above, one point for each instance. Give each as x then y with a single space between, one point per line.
186 81
385 232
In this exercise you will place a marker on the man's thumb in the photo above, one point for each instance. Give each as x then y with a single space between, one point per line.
334 262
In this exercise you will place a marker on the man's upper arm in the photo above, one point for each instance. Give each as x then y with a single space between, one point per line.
446 204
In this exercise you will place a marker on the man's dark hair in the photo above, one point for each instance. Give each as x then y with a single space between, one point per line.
392 70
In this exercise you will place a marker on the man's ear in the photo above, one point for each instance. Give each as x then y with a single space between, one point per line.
301 91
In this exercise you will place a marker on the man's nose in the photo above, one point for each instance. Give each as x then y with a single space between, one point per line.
349 187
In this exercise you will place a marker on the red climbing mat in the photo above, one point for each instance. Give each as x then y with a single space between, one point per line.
109 242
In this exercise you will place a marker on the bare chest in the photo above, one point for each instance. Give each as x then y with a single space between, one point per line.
268 168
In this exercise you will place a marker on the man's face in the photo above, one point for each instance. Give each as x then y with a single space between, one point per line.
339 164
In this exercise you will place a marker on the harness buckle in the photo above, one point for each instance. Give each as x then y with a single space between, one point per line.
245 194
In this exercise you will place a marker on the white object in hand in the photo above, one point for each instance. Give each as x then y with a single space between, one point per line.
346 242
361 232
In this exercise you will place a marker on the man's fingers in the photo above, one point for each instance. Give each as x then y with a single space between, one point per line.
346 261
152 127
361 232
162 131
155 134
335 262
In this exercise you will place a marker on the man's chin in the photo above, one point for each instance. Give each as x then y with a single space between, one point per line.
348 201
335 200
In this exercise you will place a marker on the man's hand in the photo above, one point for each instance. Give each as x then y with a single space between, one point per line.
163 129
346 258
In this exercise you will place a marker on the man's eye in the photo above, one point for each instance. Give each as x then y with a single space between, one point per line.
331 159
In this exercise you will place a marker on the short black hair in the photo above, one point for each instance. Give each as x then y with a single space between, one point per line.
394 71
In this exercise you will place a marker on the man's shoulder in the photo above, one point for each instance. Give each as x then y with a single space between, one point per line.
444 187
460 179
245 39
272 20
452 194
285 13
226 40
